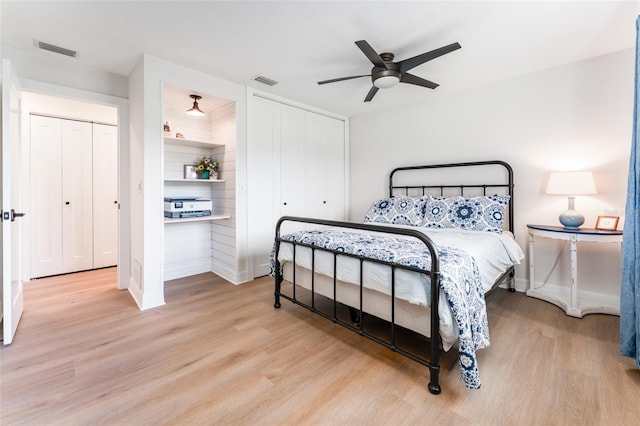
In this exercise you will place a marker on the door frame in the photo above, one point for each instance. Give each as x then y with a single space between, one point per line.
122 106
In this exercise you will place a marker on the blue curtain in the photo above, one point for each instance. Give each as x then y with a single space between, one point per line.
630 290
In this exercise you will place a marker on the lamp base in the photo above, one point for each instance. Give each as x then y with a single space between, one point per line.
571 219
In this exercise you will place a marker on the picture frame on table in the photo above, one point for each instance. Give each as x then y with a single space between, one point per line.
190 171
607 223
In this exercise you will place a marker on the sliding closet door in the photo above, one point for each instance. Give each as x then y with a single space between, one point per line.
105 195
77 198
45 216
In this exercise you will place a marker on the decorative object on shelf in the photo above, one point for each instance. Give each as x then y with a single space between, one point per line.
179 135
195 109
571 184
167 129
207 167
190 171
607 223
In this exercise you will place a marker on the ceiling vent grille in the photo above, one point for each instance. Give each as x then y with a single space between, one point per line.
56 49
265 80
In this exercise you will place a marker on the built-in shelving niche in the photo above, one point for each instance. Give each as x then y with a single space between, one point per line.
200 244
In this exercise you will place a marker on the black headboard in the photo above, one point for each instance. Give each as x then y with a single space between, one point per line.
492 177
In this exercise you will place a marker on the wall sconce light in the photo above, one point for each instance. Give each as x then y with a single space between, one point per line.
195 110
571 184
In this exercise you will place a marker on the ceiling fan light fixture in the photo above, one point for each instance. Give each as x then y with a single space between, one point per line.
195 109
386 73
386 82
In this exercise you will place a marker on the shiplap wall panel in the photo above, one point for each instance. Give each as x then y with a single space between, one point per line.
186 252
224 260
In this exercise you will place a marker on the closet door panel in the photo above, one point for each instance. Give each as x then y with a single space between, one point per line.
292 162
325 168
46 203
263 187
77 200
105 195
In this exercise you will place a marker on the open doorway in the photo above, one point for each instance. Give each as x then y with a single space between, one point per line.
71 190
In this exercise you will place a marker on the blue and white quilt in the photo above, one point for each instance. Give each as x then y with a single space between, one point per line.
459 280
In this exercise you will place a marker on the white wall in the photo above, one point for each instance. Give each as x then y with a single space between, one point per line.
574 117
145 94
64 71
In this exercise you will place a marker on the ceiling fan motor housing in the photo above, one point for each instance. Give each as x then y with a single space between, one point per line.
377 72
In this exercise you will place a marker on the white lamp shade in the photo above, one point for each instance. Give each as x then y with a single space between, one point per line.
571 183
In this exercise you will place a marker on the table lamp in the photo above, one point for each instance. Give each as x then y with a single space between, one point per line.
571 184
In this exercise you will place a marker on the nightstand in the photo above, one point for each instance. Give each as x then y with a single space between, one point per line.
573 307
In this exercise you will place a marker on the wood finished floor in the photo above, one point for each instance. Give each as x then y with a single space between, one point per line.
221 354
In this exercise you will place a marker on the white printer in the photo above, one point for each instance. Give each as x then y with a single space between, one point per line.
175 207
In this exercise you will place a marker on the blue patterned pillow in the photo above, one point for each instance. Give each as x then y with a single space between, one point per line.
398 210
470 213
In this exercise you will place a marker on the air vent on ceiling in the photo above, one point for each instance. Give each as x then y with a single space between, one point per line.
265 80
56 49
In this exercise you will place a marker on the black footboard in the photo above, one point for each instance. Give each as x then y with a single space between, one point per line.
357 312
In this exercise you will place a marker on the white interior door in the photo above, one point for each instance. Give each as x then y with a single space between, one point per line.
105 195
46 196
12 290
77 196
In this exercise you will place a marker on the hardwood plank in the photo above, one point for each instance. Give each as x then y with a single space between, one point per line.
221 354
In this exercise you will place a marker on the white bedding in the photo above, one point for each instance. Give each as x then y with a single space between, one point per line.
493 252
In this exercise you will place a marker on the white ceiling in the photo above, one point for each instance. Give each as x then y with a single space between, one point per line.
298 43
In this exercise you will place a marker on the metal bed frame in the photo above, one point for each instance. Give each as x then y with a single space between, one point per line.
357 314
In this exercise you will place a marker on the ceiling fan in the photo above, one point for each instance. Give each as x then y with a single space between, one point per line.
386 73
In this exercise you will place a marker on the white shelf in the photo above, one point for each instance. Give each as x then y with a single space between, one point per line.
196 219
190 142
196 180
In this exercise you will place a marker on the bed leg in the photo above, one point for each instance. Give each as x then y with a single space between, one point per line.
354 314
276 293
512 281
434 384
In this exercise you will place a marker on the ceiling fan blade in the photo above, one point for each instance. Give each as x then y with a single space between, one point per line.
370 53
412 79
410 63
333 80
371 94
